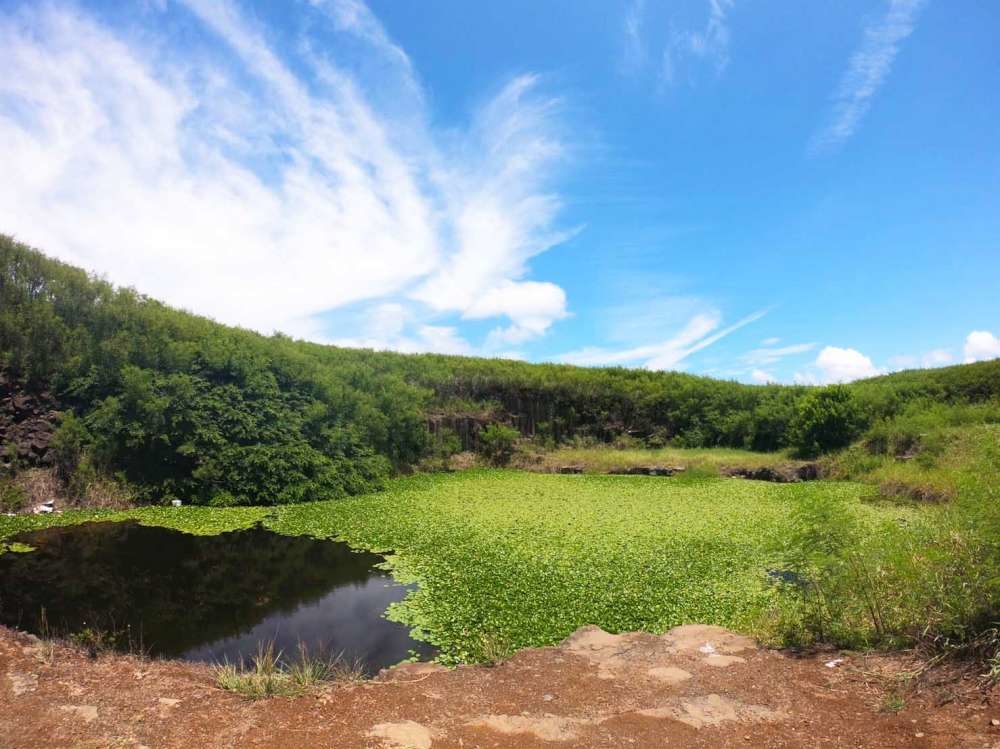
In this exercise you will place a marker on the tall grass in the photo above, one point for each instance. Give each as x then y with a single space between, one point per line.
268 674
933 582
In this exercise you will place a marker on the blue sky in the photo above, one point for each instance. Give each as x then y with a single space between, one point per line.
791 192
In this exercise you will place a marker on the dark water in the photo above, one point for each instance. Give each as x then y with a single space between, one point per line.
205 598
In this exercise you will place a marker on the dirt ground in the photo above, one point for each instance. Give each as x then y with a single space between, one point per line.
695 686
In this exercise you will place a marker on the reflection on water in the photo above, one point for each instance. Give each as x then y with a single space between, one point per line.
205 598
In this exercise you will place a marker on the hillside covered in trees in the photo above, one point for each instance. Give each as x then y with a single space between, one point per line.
182 407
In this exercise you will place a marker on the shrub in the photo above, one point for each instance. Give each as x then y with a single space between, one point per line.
825 419
838 574
13 458
496 443
12 497
68 445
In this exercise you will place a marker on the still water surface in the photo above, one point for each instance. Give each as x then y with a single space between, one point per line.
206 598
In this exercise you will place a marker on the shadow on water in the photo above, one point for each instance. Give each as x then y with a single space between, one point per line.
206 598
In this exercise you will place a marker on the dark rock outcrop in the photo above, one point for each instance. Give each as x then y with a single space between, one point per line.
647 470
781 474
27 422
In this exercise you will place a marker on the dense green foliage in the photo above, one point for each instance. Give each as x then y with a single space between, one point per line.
188 408
180 406
824 420
496 443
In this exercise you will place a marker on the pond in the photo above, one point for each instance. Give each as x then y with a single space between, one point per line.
205 598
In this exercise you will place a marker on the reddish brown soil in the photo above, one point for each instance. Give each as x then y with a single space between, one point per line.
693 687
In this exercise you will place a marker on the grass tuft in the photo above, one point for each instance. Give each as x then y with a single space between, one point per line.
268 675
494 649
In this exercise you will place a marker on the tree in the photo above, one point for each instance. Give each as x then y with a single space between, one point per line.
825 419
496 443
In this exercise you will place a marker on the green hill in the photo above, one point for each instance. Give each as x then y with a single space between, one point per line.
183 407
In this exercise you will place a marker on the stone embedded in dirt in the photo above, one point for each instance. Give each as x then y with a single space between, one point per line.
691 638
406 734
22 683
410 671
721 661
544 727
86 713
712 710
169 701
669 674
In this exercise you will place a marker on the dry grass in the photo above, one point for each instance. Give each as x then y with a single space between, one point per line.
608 459
40 485
105 494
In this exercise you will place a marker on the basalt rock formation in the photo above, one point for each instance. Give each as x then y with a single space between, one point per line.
27 424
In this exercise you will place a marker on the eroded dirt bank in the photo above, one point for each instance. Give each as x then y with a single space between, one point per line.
695 686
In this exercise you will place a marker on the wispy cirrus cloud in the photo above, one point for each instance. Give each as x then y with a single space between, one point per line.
866 72
708 46
770 354
265 185
678 53
699 332
634 46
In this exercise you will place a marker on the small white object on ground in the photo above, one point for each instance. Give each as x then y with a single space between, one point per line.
707 648
175 502
834 663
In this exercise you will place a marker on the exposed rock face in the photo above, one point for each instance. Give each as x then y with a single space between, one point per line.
781 474
27 421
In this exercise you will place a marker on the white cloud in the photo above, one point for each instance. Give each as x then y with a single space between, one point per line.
263 191
709 46
838 365
770 341
634 56
867 70
981 345
903 361
761 377
937 358
761 357
701 331
393 326
356 17
531 306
